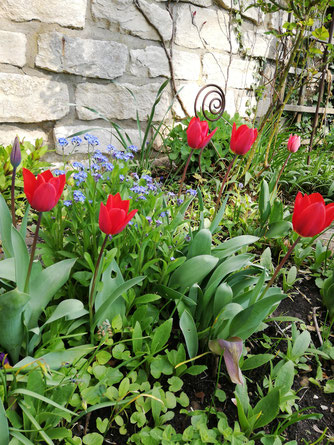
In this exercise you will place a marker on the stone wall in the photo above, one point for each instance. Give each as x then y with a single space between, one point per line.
58 58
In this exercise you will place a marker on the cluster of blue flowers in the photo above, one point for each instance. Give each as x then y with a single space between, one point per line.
78 196
58 172
80 177
92 140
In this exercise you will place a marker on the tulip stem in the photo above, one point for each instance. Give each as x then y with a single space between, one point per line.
184 172
280 173
13 196
32 253
279 267
224 182
92 290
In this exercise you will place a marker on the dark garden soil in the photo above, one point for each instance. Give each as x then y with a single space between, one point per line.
300 303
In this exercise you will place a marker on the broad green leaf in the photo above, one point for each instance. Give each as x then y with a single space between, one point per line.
300 345
25 409
256 361
321 33
57 359
147 298
248 320
7 269
228 266
156 405
268 407
188 328
23 227
43 287
21 256
264 202
161 336
4 436
5 228
137 340
223 296
201 244
215 223
285 377
20 437
65 308
232 245
278 229
193 271
100 314
12 305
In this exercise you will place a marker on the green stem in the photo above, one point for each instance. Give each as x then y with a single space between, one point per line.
223 183
279 267
280 173
32 253
13 197
91 295
185 171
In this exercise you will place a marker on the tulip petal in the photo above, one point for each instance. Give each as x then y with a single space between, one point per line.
47 175
232 353
311 220
30 184
44 198
117 218
207 138
194 133
329 215
104 220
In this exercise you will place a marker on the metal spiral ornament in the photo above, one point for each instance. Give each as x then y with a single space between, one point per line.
216 105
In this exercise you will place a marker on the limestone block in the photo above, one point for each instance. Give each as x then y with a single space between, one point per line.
84 57
276 20
114 101
239 101
187 93
258 44
13 48
104 133
9 132
203 3
65 13
149 62
31 99
237 72
200 27
187 65
129 19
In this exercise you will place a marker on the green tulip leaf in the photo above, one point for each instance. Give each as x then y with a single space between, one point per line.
7 269
193 271
21 259
188 328
5 228
4 436
231 246
201 244
278 229
44 285
12 305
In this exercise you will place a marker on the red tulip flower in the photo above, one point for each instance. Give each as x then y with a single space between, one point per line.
293 143
242 139
310 215
114 216
43 192
198 133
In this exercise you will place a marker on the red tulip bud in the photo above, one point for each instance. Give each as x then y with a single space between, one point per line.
198 133
114 216
242 139
293 143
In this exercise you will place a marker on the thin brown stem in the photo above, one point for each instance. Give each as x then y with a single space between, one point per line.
223 183
279 267
184 172
92 290
13 197
32 253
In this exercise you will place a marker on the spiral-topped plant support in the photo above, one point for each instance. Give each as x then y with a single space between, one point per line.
216 105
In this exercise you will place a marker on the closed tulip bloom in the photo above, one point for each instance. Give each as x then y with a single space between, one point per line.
293 143
114 216
310 215
15 154
198 133
242 139
43 192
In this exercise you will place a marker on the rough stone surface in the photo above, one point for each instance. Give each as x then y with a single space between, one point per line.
243 6
128 18
31 99
85 57
149 62
13 48
187 65
232 72
208 28
258 44
187 93
66 13
104 133
9 132
114 101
